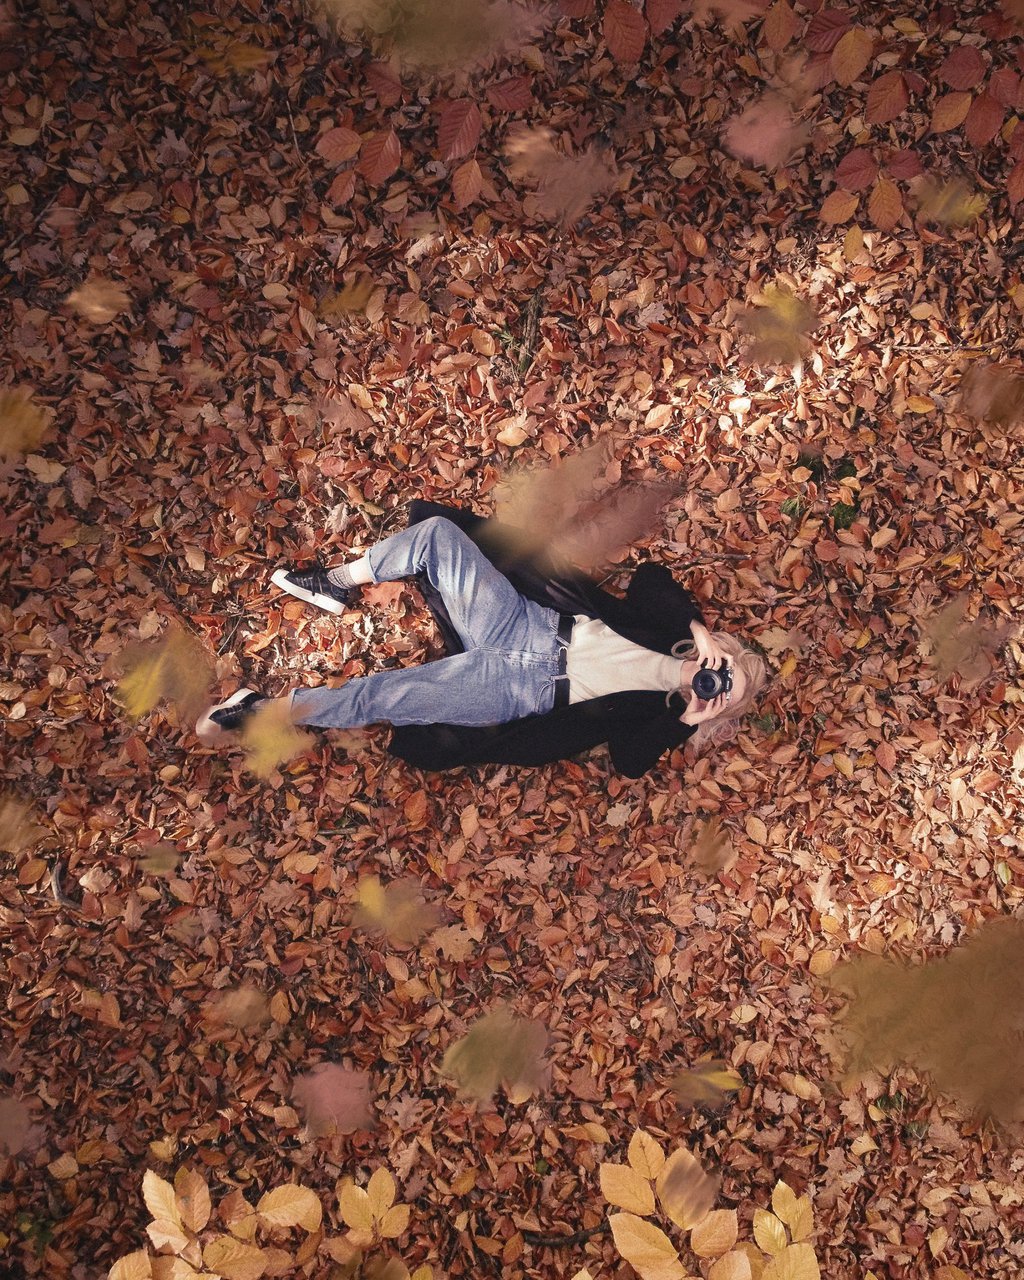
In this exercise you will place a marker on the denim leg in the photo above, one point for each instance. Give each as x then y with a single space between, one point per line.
485 608
479 687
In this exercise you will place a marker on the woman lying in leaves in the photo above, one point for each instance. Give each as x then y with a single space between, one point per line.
541 665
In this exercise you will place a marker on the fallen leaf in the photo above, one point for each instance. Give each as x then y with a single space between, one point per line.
22 423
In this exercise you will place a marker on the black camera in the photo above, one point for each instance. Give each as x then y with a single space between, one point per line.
709 682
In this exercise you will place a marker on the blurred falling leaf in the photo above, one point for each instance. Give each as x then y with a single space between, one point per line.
500 1049
17 1132
334 1099
351 298
398 909
243 1006
566 185
956 1018
779 326
686 1192
765 133
993 394
174 667
705 1084
951 203
99 300
22 423
160 859
712 849
233 55
569 513
270 739
956 645
18 829
731 14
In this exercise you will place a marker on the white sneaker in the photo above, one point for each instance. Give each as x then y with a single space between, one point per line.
314 586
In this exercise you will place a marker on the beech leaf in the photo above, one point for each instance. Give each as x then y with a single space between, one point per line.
646 1248
626 1189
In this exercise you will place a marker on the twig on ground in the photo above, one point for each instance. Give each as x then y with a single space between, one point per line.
556 1242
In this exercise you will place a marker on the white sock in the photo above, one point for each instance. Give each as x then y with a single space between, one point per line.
356 574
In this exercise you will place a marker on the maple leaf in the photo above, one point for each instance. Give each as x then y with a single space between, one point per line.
567 513
566 185
952 203
270 739
99 300
779 326
956 1018
765 133
705 1084
243 1006
18 829
174 667
334 1099
960 646
499 1049
993 394
398 910
22 423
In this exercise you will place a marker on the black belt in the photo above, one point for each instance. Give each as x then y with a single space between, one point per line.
566 622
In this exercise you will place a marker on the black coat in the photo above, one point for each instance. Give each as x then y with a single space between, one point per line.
637 725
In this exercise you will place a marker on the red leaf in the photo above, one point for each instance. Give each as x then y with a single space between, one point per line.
984 120
334 1100
513 94
886 204
1016 147
338 145
1004 86
340 190
1015 184
780 25
459 129
382 155
857 169
661 14
826 29
625 31
466 183
887 98
963 68
576 8
383 80
904 164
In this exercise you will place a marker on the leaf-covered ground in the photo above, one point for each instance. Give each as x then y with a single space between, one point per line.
271 284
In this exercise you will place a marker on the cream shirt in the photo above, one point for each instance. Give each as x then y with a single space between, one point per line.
600 661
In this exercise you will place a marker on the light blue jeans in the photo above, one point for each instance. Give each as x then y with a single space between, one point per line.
512 647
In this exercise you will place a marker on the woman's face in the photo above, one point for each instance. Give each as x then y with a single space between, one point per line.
739 687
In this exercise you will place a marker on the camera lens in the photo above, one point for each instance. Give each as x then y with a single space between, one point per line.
707 684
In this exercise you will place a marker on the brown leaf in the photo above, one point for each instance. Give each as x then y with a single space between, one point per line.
243 1006
779 326
99 300
959 646
625 31
706 1084
397 910
566 185
467 182
963 68
459 129
382 154
984 120
18 829
22 423
994 394
334 1099
712 849
765 133
852 54
857 170
950 204
662 14
887 98
950 111
780 25
499 1049
17 1132
839 207
885 207
338 144
685 1191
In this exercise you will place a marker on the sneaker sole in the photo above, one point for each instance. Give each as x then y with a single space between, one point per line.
280 579
207 729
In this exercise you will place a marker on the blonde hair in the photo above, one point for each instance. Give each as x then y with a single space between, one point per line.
755 672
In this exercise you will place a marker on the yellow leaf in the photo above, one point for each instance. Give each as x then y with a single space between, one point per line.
99 300
731 1266
22 423
270 739
160 1199
851 55
133 1266
705 1084
166 1267
646 1248
645 1155
166 1234
354 1207
291 1206
395 1222
173 667
684 1189
793 1210
769 1232
352 298
425 1272
398 909
714 1234
234 1259
193 1198
950 204
498 1049
626 1189
795 1262
381 1193
920 404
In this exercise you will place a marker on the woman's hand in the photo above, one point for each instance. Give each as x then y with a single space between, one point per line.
697 711
708 652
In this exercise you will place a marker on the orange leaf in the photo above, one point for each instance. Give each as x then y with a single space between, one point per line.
382 155
459 128
886 204
887 98
950 111
338 145
466 183
780 25
852 54
625 31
